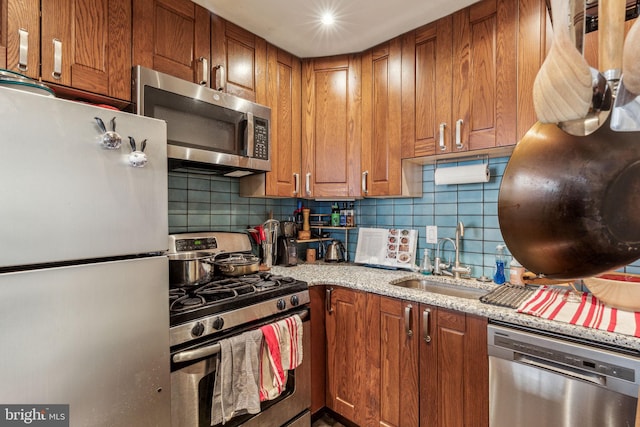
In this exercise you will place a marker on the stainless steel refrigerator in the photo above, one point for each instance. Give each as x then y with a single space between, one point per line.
83 282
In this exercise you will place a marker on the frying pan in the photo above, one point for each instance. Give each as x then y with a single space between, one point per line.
569 206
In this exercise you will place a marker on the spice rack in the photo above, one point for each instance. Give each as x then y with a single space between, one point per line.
314 226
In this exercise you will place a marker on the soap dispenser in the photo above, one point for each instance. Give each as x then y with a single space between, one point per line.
498 276
426 267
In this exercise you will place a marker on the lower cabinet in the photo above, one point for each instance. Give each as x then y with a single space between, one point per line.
399 363
392 362
346 352
454 368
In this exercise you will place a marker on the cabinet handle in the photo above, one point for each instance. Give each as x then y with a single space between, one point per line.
220 78
365 175
296 184
57 59
307 184
426 333
407 320
205 70
24 49
459 123
328 300
443 146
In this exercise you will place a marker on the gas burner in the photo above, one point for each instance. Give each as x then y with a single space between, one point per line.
266 284
186 302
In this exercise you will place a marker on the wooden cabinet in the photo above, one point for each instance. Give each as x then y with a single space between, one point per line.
83 44
318 348
346 350
331 127
283 96
238 60
392 362
173 37
454 369
383 172
381 119
460 81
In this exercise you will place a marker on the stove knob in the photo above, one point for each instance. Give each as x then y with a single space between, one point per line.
218 323
281 304
295 300
197 329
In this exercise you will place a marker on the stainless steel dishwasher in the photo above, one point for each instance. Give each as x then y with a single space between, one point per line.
550 380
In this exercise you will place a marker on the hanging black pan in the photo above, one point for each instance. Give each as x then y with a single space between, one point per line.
569 206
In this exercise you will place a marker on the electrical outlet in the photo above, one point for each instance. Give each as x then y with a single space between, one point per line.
432 234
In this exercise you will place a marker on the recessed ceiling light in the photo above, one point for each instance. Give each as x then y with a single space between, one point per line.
327 18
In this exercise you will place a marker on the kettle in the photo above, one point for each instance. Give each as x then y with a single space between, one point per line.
335 252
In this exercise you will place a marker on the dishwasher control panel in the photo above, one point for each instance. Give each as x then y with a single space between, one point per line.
554 355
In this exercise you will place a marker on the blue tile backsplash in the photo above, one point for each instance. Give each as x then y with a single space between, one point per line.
202 202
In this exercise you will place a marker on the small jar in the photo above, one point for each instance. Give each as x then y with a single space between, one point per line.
516 270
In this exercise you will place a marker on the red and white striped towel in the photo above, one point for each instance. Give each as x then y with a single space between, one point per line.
281 351
581 309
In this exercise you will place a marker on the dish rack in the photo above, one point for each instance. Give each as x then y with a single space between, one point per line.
510 296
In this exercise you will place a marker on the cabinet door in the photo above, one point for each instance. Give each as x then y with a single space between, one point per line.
242 56
331 126
284 74
173 37
345 328
21 27
381 119
392 361
86 45
454 367
426 90
533 24
484 75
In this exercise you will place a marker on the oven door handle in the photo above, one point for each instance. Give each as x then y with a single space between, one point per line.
198 353
210 350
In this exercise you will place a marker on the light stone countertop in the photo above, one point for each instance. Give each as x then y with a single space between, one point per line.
379 281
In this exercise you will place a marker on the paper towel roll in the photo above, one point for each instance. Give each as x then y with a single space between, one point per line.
462 174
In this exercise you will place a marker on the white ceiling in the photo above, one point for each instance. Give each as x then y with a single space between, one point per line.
294 25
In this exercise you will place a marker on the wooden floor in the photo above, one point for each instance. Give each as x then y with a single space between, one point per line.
327 421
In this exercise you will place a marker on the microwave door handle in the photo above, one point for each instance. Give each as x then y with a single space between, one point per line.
248 135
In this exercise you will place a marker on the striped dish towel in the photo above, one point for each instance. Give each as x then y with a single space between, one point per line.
281 350
583 309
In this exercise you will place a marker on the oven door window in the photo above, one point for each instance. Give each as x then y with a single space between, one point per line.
196 124
201 375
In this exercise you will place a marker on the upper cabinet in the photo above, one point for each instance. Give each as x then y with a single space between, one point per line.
468 78
173 37
239 63
383 173
81 44
283 96
331 126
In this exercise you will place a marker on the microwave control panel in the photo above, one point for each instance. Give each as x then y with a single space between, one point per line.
261 140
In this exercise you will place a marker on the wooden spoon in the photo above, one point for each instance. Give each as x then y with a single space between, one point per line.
562 90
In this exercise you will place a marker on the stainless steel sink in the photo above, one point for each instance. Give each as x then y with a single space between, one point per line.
442 288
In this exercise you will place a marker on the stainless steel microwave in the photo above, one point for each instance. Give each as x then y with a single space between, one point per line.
207 131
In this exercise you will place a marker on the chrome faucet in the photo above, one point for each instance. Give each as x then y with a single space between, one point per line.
439 267
457 268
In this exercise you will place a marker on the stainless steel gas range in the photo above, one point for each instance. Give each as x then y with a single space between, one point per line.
220 307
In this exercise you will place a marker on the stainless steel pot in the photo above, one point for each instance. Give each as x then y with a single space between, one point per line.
189 268
238 265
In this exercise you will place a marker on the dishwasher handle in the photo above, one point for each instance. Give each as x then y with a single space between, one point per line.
560 369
